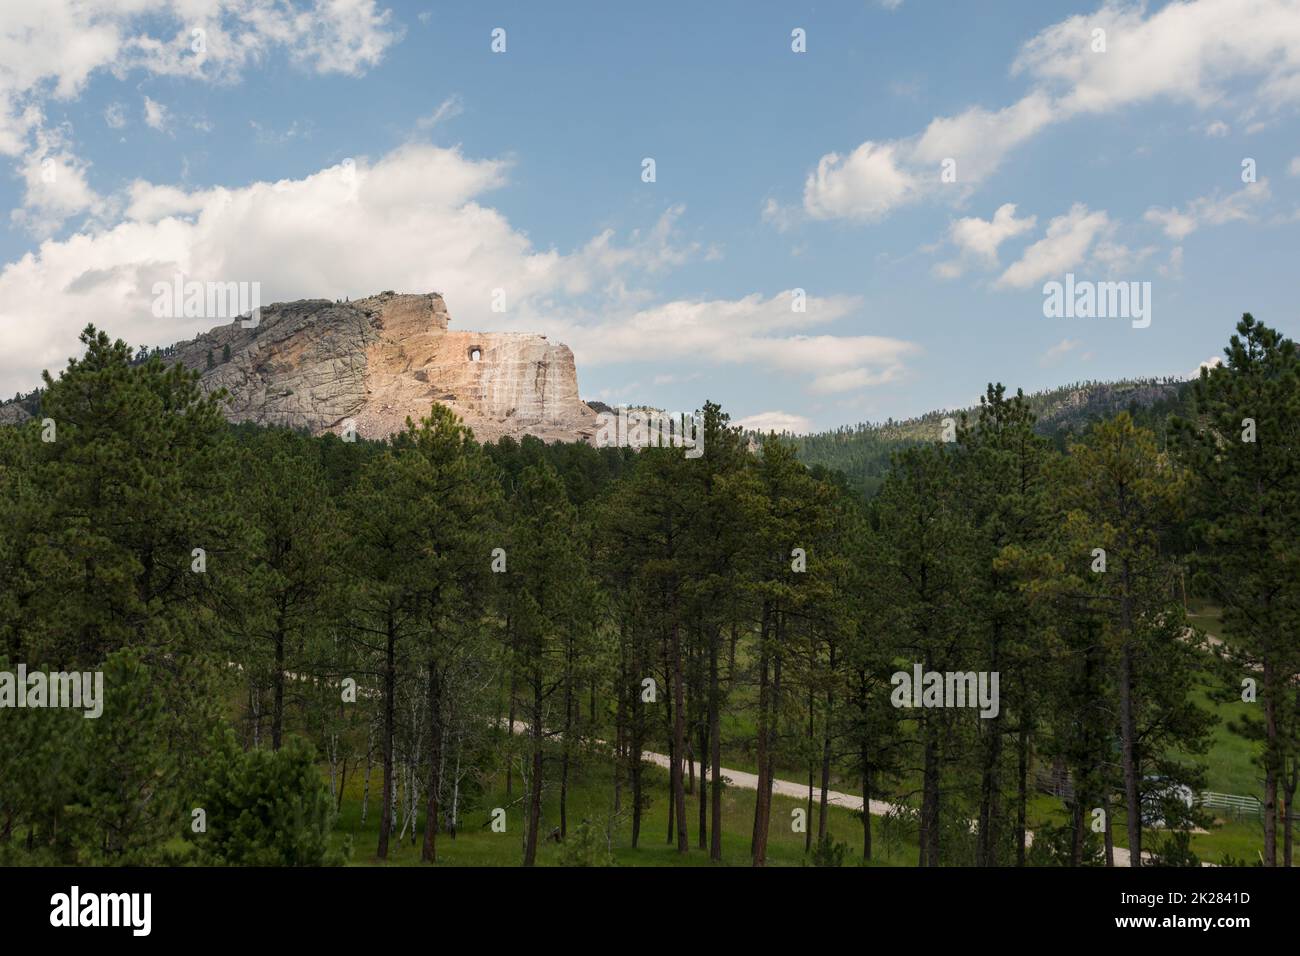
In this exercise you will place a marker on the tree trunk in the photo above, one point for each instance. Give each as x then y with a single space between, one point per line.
565 741
703 838
390 692
928 831
277 705
637 746
535 782
370 753
866 805
1022 788
679 734
823 811
758 842
1270 763
1108 836
986 834
430 852
510 737
715 747
1128 736
808 809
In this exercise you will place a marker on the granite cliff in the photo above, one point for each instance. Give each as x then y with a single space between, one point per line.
317 364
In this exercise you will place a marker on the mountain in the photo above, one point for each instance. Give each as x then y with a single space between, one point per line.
862 452
321 365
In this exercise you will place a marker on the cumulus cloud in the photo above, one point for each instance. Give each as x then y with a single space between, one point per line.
758 331
52 49
979 239
115 115
866 184
1065 246
1210 363
156 116
1193 52
779 422
1214 210
783 217
1058 351
55 187
412 220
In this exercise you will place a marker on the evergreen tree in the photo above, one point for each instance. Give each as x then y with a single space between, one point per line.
1243 445
1123 500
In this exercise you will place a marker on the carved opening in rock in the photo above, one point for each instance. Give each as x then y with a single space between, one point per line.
475 353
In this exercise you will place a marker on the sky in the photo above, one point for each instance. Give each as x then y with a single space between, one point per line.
855 209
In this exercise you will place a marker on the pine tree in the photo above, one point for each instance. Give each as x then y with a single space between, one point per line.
265 808
925 541
1122 501
1244 447
290 577
1003 470
548 598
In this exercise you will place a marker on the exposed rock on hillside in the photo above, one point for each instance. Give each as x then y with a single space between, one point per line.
316 363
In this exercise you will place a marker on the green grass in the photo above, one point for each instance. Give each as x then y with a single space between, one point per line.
590 798
1230 768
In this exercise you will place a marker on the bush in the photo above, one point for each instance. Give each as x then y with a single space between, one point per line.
585 846
826 852
266 808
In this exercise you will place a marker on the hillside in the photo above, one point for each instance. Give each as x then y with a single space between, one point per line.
862 452
370 363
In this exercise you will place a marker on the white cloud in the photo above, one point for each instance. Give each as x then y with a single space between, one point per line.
1217 129
413 220
53 48
1114 258
156 116
449 108
756 331
1064 247
978 240
866 185
1192 52
1210 363
115 116
783 217
1214 210
1173 269
951 269
779 422
1294 168
878 177
1058 351
55 187
981 238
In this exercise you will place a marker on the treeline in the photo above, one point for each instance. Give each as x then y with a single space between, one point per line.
278 615
864 452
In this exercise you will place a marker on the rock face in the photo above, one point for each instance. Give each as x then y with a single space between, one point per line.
316 363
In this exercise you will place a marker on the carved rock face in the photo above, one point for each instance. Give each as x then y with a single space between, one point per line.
316 363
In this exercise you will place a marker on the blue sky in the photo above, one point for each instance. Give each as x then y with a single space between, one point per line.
340 147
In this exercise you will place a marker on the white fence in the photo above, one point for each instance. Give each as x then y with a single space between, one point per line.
1232 803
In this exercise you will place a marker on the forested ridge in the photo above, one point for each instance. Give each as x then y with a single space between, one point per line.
318 651
863 451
